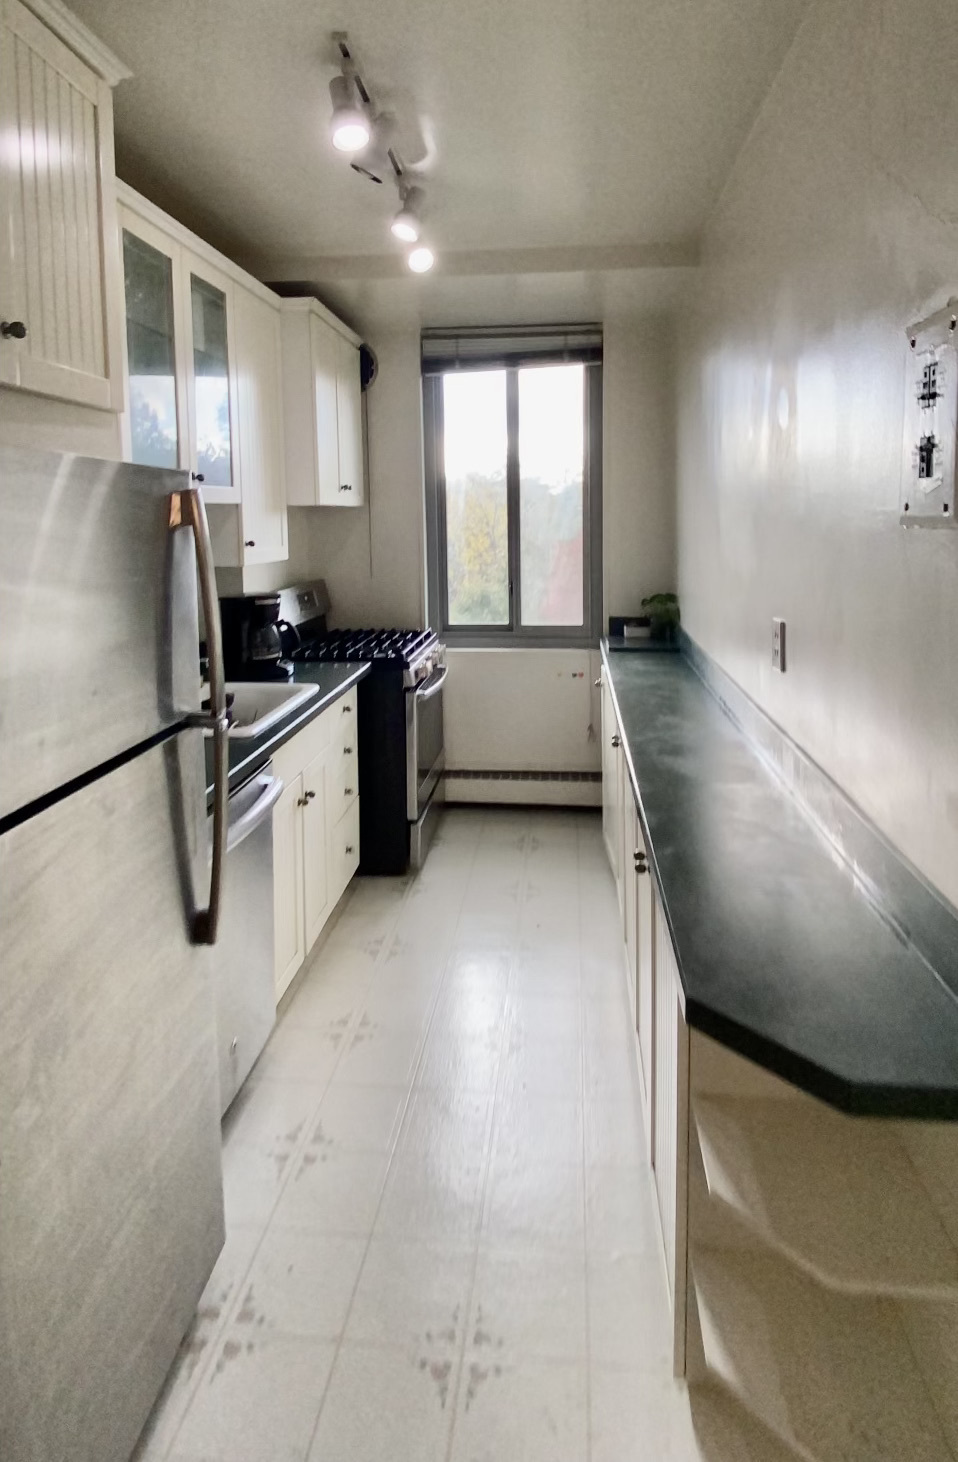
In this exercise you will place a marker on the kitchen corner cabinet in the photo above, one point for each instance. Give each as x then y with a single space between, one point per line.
323 408
315 832
204 380
59 267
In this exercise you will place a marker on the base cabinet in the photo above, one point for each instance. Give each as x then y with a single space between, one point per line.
657 1006
315 833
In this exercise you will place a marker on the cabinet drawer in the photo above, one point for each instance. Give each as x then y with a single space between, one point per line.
292 758
342 784
344 850
342 720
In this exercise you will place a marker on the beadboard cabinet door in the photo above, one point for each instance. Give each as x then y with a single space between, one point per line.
59 259
290 948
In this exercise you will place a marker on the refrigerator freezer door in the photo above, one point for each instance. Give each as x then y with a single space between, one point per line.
98 618
111 1211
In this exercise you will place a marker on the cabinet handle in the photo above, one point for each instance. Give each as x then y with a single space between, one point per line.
13 330
310 796
598 683
249 543
347 710
347 751
197 477
616 741
302 801
348 848
349 792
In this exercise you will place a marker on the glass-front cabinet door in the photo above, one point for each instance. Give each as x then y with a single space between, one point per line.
151 345
214 458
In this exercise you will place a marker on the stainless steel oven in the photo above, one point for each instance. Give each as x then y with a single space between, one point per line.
425 747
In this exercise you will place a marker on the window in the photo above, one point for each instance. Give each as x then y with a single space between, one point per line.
512 497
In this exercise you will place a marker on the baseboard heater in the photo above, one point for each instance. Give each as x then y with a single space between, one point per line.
487 784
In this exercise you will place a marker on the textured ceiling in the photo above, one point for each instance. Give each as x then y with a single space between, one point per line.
539 125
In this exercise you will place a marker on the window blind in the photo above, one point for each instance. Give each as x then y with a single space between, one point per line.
493 347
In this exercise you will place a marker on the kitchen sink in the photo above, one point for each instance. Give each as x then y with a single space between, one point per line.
258 705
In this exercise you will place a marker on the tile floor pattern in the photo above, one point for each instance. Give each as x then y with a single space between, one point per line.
441 1242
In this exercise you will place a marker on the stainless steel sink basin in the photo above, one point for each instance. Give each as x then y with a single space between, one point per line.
258 705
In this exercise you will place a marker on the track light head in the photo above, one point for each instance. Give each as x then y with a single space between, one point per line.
407 224
350 129
421 259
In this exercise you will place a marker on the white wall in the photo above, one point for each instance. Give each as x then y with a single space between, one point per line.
838 227
638 529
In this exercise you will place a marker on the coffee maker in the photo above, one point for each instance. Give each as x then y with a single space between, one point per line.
252 638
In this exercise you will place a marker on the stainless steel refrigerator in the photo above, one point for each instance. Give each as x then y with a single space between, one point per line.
111 1211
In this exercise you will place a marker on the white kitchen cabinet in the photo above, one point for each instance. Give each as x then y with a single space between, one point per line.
671 1114
259 395
59 264
204 380
317 885
349 418
315 831
323 406
645 989
611 809
288 884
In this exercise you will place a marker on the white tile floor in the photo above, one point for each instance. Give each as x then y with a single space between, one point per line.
441 1240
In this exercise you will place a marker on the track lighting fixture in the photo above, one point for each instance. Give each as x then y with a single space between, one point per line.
421 260
350 129
358 128
407 225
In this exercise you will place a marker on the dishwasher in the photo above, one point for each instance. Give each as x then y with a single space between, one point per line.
243 954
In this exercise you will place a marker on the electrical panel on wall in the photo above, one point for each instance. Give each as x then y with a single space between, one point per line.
931 421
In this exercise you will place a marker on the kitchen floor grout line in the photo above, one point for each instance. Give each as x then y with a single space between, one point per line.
400 1130
223 1325
488 1158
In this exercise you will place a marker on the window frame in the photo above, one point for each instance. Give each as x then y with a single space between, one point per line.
515 635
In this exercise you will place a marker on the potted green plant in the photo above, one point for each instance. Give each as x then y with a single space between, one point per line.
663 612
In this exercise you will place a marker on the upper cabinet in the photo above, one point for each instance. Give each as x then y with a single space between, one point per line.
60 321
322 396
204 380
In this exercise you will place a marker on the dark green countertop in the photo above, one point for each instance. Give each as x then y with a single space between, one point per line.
248 755
781 956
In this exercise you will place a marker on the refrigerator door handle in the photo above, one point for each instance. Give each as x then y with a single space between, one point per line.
192 510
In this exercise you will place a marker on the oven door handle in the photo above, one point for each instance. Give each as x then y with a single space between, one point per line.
432 685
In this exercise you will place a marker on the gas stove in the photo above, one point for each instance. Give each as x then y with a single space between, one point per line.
399 722
383 648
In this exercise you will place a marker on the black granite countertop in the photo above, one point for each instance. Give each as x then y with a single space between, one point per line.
781 956
248 754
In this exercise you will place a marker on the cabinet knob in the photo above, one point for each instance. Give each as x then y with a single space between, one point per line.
13 330
598 683
347 751
310 796
617 741
197 477
302 801
249 543
347 710
349 792
348 848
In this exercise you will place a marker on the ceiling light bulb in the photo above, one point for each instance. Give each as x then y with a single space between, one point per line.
421 259
350 130
407 225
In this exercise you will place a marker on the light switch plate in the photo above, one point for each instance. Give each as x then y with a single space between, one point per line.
778 645
931 422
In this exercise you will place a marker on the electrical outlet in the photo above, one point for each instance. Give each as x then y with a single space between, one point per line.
778 645
931 422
